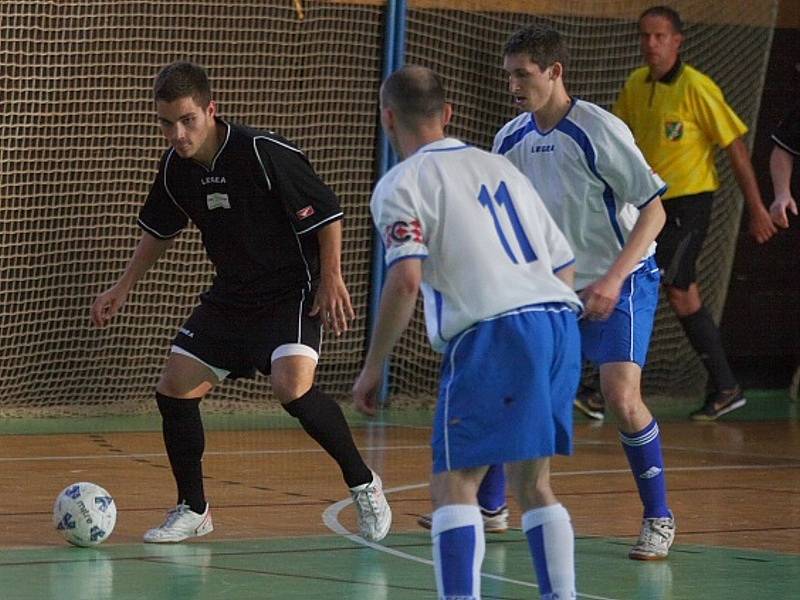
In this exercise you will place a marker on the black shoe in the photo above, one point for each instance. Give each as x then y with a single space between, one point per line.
590 402
719 404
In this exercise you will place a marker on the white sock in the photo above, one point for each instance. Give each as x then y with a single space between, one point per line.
552 544
458 549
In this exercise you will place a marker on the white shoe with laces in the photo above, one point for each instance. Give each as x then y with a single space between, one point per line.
181 523
655 539
374 514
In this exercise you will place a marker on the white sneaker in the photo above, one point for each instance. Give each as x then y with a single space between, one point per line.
494 521
655 539
374 514
181 523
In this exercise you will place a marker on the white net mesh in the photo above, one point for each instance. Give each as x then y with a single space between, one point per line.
465 48
79 145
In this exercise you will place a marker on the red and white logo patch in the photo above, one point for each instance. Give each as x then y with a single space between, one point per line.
305 212
400 232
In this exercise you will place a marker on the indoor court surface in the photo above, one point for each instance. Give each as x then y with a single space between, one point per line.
283 516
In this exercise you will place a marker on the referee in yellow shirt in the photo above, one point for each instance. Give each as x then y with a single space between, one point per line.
678 115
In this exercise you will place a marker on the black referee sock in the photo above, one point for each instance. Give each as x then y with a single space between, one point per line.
323 420
185 442
704 337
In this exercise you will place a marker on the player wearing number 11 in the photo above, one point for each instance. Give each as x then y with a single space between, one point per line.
496 273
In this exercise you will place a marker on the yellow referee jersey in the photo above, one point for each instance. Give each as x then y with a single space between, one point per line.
676 122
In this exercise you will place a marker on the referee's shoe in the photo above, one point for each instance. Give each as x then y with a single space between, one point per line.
719 404
591 403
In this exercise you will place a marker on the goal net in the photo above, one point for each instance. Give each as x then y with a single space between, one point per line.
463 40
79 147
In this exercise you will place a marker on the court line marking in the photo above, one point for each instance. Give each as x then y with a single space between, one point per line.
119 455
330 516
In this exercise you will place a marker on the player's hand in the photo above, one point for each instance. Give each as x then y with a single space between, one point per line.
332 303
365 390
600 298
761 226
107 305
778 208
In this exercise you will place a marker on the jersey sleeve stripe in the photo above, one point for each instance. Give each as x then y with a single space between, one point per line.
564 266
400 258
166 186
155 233
783 145
292 148
515 138
335 217
584 143
260 162
660 192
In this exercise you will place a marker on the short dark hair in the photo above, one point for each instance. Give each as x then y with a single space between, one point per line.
182 80
670 14
543 45
416 93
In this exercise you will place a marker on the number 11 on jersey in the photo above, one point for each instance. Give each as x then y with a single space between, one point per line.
503 198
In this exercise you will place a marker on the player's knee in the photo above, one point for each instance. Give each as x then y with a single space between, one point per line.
291 378
288 389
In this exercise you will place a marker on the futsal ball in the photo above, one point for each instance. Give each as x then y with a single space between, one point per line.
85 514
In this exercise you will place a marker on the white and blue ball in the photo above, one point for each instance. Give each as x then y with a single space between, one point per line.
85 514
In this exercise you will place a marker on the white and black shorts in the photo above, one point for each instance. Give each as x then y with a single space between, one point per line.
237 343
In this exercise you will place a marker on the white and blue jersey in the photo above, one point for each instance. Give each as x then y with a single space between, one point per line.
591 176
488 243
493 304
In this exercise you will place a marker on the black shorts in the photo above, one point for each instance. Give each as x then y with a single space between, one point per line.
680 242
245 341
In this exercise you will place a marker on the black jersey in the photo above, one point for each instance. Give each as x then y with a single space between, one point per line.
787 136
255 207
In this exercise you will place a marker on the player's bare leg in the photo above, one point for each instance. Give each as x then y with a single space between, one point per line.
457 532
547 526
641 440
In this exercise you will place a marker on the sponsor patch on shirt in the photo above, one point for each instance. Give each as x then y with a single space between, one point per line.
673 130
400 232
217 200
305 212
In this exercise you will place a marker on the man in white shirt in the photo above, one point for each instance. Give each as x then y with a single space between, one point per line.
606 199
495 271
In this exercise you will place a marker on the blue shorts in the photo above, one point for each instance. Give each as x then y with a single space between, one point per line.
506 389
625 335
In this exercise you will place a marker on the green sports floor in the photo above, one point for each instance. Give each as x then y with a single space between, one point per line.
341 566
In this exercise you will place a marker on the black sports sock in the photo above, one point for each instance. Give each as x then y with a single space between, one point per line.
321 417
704 337
185 442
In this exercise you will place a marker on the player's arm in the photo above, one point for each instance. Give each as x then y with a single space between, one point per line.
567 275
398 300
780 170
148 251
760 224
600 297
332 300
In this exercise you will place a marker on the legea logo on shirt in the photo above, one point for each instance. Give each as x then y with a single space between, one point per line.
543 148
673 130
217 200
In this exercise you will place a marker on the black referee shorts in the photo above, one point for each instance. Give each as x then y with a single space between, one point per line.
244 341
680 242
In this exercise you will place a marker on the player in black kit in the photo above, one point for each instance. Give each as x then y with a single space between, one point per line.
273 231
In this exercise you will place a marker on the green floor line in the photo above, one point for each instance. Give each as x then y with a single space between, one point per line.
763 405
328 567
